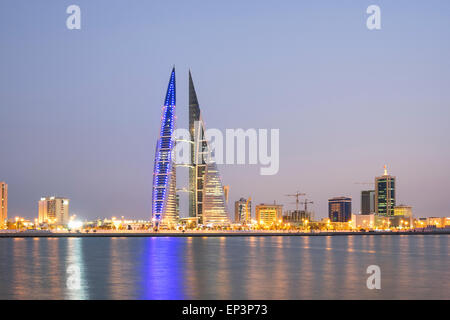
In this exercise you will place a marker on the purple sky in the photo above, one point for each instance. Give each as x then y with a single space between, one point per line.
80 110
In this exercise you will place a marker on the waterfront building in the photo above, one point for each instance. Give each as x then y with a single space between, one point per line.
54 210
297 216
340 209
385 194
403 210
363 221
3 204
206 194
403 222
269 213
164 203
367 202
438 222
243 210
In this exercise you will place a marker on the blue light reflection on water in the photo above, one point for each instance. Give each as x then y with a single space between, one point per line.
413 267
161 269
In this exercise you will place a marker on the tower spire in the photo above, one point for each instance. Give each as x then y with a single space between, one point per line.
171 94
192 94
385 170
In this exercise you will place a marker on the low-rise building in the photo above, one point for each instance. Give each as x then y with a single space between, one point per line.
363 221
269 213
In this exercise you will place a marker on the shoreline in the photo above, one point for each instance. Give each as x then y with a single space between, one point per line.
167 234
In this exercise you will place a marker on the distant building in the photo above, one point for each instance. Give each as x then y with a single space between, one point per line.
401 222
54 210
437 222
243 210
367 202
269 213
385 194
3 204
297 216
226 193
363 221
340 209
403 210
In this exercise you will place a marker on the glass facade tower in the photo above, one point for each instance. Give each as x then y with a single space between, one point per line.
385 194
206 195
340 209
367 202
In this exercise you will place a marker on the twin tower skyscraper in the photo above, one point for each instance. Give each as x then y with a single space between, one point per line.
206 194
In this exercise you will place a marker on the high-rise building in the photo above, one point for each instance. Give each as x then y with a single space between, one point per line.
206 194
367 202
385 194
340 209
164 206
243 210
54 210
3 204
269 213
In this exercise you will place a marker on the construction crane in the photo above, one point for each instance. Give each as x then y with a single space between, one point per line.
296 195
365 183
306 202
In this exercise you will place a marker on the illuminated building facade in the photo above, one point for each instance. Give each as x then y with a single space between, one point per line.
340 209
164 202
363 221
206 194
268 213
437 222
385 194
402 217
54 210
402 210
3 204
367 202
243 210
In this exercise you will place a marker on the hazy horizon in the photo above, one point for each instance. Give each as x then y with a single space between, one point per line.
80 109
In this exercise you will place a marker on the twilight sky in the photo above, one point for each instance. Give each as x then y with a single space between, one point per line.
80 109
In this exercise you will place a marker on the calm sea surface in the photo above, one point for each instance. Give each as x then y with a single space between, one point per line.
412 267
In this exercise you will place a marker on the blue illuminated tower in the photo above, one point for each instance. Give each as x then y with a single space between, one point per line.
164 174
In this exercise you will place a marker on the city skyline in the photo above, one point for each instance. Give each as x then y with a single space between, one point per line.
100 111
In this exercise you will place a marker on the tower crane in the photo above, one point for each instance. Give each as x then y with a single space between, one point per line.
306 202
296 195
